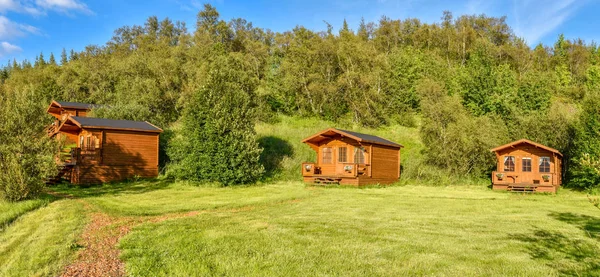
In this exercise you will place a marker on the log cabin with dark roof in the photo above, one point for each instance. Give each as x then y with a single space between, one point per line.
103 150
351 158
527 166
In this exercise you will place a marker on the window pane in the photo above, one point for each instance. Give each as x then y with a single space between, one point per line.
343 155
327 155
544 164
509 163
526 164
359 155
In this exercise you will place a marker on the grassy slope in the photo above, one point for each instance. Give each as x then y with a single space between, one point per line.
284 152
41 242
10 211
409 230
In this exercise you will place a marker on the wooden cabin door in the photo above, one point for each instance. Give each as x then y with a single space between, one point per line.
341 158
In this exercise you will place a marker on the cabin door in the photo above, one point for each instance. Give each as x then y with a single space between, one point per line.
341 160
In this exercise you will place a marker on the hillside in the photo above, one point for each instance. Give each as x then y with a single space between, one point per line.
284 152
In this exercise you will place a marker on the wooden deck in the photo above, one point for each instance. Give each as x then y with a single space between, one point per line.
525 187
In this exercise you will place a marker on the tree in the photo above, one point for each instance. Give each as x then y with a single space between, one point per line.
63 57
51 60
586 145
217 141
26 152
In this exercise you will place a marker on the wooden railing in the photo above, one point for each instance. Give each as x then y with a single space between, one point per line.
538 178
341 169
52 129
86 156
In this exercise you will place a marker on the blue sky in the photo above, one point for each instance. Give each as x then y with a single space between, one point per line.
28 27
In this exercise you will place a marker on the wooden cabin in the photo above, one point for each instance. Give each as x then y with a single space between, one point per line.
524 165
60 110
351 158
106 150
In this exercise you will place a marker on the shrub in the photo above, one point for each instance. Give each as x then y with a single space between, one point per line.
586 146
217 141
26 153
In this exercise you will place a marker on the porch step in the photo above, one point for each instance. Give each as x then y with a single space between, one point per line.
327 180
63 170
522 188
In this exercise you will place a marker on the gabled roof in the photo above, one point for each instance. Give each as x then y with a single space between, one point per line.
111 124
515 143
74 105
360 137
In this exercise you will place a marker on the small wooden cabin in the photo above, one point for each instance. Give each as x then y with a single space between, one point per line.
103 150
351 158
60 110
524 165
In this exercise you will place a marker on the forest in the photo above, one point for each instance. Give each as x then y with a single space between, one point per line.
468 83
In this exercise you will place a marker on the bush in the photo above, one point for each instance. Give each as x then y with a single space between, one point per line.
26 153
586 146
453 139
217 141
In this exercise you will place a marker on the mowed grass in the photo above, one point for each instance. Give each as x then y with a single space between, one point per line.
146 198
43 241
10 211
288 228
410 230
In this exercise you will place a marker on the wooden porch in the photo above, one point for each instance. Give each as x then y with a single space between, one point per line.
525 181
345 173
69 160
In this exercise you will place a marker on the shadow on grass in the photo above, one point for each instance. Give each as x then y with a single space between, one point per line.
589 224
274 151
569 255
127 187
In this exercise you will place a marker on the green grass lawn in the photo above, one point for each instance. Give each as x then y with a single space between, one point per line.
411 230
289 229
43 241
11 211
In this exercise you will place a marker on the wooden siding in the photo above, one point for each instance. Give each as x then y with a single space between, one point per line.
96 174
382 163
385 164
532 152
130 148
333 168
534 177
123 155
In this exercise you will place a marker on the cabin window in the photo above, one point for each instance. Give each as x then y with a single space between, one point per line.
359 155
544 164
526 164
89 143
327 155
343 155
509 163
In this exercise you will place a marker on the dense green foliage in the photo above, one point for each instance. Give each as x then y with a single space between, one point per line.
469 83
26 153
217 140
586 155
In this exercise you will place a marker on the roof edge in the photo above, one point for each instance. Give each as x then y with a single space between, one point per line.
496 149
116 128
395 145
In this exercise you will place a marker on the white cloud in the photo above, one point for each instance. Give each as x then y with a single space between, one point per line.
62 5
10 29
536 18
7 49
